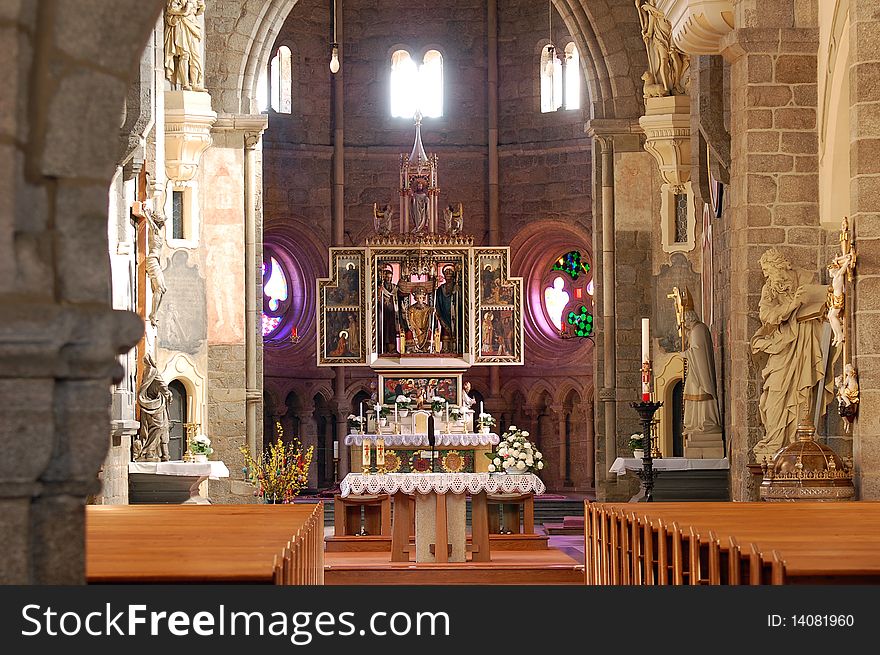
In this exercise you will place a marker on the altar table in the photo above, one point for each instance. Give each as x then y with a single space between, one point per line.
682 478
440 509
175 482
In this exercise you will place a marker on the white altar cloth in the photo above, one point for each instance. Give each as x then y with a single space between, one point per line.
623 464
213 469
444 440
441 483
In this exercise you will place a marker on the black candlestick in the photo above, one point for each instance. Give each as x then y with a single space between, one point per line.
432 440
646 475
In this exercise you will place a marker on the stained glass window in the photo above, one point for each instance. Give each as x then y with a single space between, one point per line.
415 87
275 295
572 264
555 300
582 321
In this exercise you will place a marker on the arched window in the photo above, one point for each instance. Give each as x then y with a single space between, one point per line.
568 291
551 79
276 296
281 81
415 87
572 77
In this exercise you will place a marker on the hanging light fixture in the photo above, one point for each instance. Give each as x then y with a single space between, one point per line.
551 49
334 46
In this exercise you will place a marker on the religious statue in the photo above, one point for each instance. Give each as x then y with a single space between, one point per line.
847 385
838 270
453 220
183 36
788 349
701 416
420 206
449 303
382 218
422 321
155 217
389 307
467 401
151 445
667 65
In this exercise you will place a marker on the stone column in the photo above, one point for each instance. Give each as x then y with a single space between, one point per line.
308 436
559 410
342 412
774 189
865 221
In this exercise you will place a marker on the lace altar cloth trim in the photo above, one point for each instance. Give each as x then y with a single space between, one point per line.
441 483
468 439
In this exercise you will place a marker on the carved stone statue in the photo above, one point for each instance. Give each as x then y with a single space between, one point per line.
151 445
183 36
702 420
788 350
452 219
420 207
155 217
382 218
847 385
667 65
422 321
651 89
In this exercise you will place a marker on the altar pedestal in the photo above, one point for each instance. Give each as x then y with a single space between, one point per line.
682 479
176 482
440 527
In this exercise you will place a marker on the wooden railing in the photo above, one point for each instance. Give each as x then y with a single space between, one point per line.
205 544
732 543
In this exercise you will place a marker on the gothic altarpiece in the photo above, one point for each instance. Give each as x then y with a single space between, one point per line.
420 304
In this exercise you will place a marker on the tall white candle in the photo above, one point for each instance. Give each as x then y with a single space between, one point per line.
447 412
646 360
395 411
481 408
335 450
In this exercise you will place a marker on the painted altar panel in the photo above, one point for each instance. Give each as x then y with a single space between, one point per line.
421 386
341 326
420 310
498 309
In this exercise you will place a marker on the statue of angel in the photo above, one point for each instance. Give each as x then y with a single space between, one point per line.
382 218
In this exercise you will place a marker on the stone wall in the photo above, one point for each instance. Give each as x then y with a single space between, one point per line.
774 188
226 415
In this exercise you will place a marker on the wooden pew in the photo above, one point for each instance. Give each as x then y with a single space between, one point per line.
200 543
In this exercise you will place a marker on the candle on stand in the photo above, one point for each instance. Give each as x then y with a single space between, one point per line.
646 360
481 408
447 413
395 411
335 450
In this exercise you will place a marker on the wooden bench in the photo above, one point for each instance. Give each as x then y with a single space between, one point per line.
732 543
174 544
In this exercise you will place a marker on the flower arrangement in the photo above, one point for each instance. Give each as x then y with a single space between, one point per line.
635 441
515 454
458 413
355 422
403 402
383 411
281 472
438 404
200 445
485 420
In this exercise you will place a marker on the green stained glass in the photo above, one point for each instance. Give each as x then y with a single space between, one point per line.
572 263
582 322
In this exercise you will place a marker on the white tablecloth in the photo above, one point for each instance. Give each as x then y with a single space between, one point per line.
623 464
425 483
214 469
421 440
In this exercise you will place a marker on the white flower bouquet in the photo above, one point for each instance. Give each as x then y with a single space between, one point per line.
438 404
200 445
485 420
515 454
403 402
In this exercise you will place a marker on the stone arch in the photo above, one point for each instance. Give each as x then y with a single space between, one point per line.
539 390
608 36
564 390
239 35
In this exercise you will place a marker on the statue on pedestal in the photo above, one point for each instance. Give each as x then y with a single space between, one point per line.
702 420
788 350
382 218
183 36
151 444
667 65
453 219
422 320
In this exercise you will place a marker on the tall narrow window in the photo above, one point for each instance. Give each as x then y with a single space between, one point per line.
275 296
177 214
551 80
572 77
416 88
280 81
